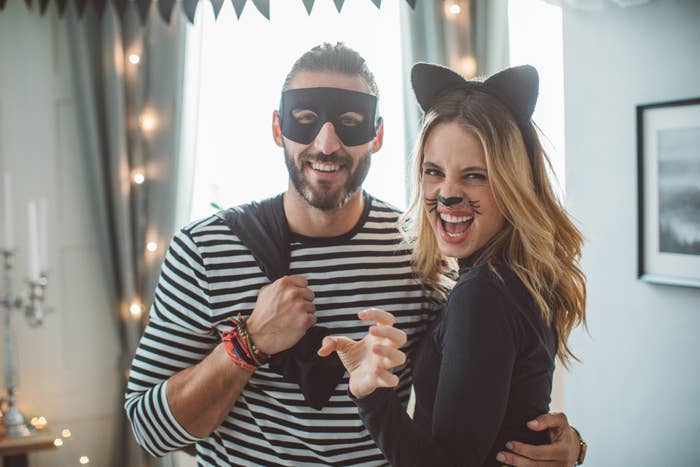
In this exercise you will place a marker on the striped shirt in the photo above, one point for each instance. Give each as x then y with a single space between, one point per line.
208 275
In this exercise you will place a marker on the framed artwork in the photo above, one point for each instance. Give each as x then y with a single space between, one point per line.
668 180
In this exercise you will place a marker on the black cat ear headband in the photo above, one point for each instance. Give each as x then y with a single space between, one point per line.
517 88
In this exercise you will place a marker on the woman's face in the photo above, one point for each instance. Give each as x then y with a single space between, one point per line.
457 193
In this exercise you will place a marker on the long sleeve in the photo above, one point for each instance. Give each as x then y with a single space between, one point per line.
478 354
178 335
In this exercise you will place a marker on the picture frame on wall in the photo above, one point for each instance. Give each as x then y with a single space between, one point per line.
668 181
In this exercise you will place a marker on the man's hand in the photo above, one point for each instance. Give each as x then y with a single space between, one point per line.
370 360
562 452
283 312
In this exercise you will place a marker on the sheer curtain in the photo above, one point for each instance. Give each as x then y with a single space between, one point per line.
129 87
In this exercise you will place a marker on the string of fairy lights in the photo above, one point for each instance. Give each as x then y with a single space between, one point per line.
148 122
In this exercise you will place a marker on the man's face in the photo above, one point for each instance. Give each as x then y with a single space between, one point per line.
326 172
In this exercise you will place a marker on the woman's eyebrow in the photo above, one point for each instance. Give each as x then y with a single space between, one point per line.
474 168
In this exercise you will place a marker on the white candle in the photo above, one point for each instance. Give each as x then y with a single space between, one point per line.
33 241
44 235
8 240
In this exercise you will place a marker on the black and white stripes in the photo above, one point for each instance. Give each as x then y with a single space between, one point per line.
207 276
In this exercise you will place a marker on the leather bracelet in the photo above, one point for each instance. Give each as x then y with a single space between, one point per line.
240 346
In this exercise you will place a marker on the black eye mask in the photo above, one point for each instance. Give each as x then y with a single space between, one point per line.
313 107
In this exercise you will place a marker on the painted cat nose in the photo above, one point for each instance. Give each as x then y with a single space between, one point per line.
450 201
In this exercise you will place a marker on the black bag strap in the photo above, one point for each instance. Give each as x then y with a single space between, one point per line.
262 227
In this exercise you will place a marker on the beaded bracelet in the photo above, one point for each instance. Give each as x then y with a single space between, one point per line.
240 346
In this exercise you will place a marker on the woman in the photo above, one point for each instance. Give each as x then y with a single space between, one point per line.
482 197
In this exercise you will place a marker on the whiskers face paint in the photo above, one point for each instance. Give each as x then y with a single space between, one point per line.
475 206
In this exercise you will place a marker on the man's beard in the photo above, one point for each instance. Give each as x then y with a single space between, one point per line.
321 197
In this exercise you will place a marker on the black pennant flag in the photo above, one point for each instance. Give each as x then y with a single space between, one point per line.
120 6
61 7
43 4
412 3
29 3
216 5
80 7
377 3
238 7
190 8
2 4
165 8
263 7
100 7
308 4
339 4
144 7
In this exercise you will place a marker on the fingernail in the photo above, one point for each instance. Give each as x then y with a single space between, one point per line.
509 445
500 457
534 422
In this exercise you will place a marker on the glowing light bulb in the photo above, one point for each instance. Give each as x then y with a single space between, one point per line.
135 310
151 246
84 460
148 121
467 66
135 59
66 433
39 423
454 9
139 178
58 442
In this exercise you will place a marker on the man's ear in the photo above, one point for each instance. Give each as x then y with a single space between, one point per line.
379 139
276 130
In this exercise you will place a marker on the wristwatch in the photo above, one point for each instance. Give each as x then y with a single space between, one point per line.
582 448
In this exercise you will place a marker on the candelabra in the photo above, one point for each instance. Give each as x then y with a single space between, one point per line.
33 303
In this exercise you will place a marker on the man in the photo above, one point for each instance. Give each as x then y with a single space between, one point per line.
346 254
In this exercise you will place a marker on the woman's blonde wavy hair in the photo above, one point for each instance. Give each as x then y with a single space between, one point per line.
538 241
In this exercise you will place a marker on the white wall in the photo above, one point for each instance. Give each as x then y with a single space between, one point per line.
67 368
636 398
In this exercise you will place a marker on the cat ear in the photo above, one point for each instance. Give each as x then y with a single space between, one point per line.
429 81
518 88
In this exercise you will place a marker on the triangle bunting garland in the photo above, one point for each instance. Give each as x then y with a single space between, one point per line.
166 7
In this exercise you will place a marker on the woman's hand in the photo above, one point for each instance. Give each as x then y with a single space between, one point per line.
368 361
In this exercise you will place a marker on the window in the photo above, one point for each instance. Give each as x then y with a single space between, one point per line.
535 31
242 65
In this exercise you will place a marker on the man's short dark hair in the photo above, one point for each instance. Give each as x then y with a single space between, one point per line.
334 58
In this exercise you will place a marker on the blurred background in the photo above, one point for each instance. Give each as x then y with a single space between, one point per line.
123 120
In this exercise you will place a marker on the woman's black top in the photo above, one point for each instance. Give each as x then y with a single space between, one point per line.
479 375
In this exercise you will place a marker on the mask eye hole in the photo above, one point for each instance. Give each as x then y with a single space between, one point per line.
304 116
351 119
